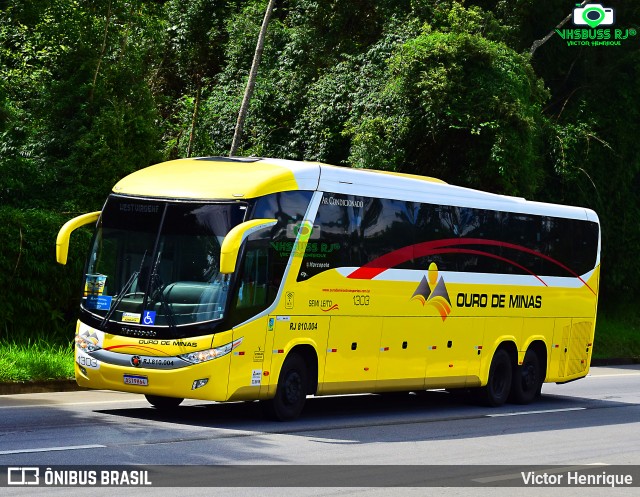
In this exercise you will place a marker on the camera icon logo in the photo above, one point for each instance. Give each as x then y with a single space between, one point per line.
306 230
593 15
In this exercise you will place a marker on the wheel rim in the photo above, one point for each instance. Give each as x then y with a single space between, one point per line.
292 388
528 377
499 380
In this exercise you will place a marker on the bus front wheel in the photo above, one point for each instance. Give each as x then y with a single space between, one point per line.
291 392
498 387
163 402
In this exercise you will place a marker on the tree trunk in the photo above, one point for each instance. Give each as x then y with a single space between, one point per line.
538 43
102 51
248 92
194 118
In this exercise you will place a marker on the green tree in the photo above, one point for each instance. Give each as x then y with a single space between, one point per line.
593 122
79 76
193 54
459 107
78 114
90 91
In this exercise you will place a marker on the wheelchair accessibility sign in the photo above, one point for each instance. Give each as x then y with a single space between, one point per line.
149 317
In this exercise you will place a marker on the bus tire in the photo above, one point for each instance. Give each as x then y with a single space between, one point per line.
291 392
498 387
527 379
160 402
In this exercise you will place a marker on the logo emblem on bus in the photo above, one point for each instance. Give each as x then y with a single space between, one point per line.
135 361
433 291
149 317
288 300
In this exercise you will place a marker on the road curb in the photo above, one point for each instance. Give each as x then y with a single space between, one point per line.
17 387
70 385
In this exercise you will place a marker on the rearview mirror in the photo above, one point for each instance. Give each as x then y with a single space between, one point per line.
232 242
62 241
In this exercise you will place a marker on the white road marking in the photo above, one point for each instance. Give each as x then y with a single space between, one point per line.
50 449
63 404
524 413
616 375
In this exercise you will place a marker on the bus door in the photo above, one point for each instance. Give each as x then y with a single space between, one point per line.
453 351
402 354
352 355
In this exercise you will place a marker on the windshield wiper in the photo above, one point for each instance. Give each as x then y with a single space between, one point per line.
123 292
158 295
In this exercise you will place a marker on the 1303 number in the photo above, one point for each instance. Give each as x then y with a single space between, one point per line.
361 300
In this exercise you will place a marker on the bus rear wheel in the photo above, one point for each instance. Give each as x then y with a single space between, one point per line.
163 402
527 379
498 387
291 392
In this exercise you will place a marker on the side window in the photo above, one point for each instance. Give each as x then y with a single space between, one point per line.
485 225
266 253
388 226
256 285
253 288
555 242
445 235
584 246
286 207
570 242
334 240
351 231
434 223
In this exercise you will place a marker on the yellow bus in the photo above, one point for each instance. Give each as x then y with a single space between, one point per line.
239 279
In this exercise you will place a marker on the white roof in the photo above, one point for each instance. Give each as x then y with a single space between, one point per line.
369 183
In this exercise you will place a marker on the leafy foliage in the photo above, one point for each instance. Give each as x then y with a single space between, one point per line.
90 91
38 298
459 107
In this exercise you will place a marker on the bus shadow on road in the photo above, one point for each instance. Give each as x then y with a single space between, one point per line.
425 415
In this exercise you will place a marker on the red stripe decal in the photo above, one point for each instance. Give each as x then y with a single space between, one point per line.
392 259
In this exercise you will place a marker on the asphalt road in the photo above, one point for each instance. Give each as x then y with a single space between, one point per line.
592 421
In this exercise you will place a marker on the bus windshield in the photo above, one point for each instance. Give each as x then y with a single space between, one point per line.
157 263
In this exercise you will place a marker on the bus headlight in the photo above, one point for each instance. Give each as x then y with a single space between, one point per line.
210 354
85 344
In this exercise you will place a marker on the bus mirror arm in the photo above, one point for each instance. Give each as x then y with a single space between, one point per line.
233 241
62 241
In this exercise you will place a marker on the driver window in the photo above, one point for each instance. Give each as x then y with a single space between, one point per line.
255 289
252 291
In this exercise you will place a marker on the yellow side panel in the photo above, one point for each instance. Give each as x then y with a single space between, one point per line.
246 371
289 332
580 346
454 352
352 355
559 349
403 348
571 349
499 330
537 329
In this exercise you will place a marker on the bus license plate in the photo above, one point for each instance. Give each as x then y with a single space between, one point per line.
131 379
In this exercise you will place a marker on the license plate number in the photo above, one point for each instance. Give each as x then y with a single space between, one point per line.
130 379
